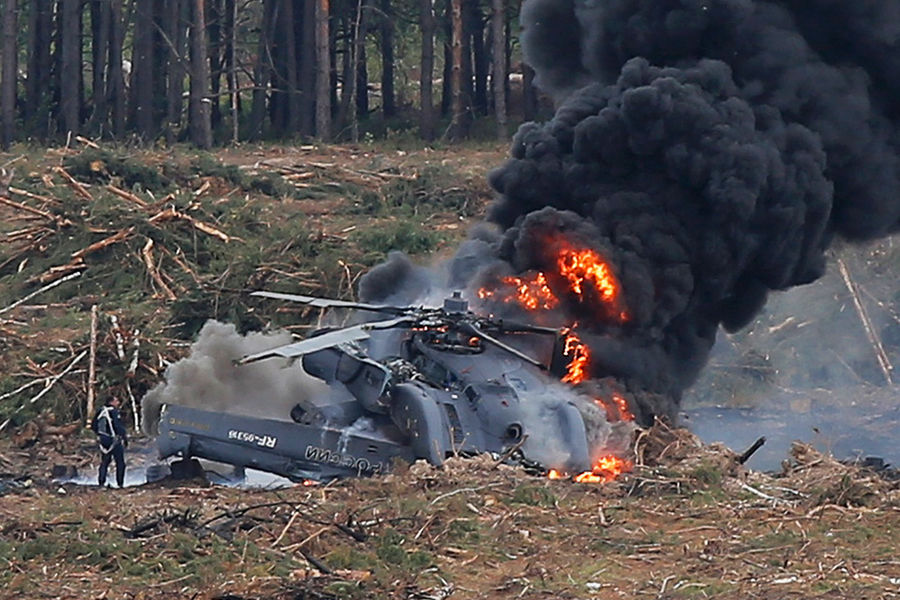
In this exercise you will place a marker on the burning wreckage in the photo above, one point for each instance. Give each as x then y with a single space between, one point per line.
703 155
426 383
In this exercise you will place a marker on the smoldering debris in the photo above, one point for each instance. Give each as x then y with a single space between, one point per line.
209 380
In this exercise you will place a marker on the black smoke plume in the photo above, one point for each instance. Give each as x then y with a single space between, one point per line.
710 150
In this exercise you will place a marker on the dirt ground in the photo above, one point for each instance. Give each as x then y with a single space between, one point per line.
688 522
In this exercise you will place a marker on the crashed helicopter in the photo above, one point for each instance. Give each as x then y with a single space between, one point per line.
423 383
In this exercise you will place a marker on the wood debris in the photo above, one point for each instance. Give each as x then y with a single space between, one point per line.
127 196
68 277
55 273
50 383
119 236
153 270
92 367
171 213
78 187
60 221
33 196
41 428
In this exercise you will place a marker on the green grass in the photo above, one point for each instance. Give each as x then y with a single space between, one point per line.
533 495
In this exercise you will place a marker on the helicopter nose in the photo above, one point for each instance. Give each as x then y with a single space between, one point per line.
558 440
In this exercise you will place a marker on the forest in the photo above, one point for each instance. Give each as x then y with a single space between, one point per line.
212 72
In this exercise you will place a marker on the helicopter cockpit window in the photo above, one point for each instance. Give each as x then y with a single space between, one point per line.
517 384
486 390
435 372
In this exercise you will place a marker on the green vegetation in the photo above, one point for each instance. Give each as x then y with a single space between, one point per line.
534 495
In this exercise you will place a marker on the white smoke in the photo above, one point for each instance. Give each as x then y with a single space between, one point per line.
208 378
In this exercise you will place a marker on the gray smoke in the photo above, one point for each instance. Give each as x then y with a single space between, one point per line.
710 150
208 379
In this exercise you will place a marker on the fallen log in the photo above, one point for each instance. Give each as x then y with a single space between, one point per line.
745 456
87 142
74 184
33 196
54 273
40 291
170 214
147 254
22 388
113 239
127 196
61 221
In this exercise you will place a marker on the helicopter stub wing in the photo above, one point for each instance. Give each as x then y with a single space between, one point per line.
329 303
326 340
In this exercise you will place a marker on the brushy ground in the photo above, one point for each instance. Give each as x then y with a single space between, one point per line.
689 522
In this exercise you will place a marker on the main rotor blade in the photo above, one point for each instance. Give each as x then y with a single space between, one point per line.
326 340
329 303
516 327
473 330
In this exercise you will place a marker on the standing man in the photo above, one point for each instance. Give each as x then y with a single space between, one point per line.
113 439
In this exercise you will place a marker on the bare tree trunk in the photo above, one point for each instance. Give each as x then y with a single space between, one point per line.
100 22
160 59
362 70
231 65
323 71
92 368
457 131
116 82
215 54
308 69
344 33
8 74
290 67
426 90
142 84
388 102
176 32
70 66
200 123
39 83
352 81
498 77
262 70
474 20
447 77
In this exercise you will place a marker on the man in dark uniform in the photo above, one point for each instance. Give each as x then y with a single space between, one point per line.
113 440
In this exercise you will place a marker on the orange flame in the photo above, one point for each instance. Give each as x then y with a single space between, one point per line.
579 266
605 469
616 408
624 413
576 372
532 294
